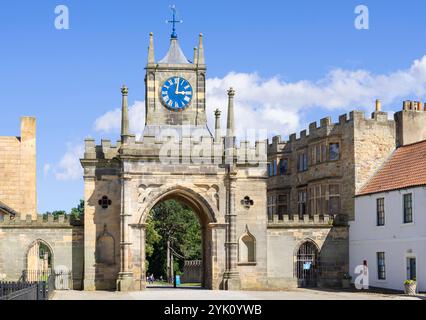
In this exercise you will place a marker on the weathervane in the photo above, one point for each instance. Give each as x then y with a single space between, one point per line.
174 21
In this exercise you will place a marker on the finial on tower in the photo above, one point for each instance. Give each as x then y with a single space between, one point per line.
124 112
151 53
174 21
230 128
201 59
195 61
218 133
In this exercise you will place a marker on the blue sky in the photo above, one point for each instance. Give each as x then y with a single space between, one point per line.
70 78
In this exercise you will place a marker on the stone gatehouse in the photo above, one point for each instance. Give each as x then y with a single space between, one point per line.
274 214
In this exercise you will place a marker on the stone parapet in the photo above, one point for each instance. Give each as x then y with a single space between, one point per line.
41 222
306 221
182 149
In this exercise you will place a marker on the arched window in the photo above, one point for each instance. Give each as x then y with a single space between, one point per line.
247 249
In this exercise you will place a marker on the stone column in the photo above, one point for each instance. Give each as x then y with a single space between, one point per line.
125 280
231 277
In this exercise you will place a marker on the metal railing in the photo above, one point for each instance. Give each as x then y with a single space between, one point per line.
33 285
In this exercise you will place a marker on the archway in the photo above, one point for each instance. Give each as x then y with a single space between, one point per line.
204 215
39 261
307 263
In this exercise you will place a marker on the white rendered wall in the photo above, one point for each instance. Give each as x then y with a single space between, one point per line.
399 241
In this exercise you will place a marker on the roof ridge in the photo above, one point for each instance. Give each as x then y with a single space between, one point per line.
412 144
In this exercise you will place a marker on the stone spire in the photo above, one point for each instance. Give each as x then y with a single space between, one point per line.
124 112
195 61
217 115
230 127
151 53
201 59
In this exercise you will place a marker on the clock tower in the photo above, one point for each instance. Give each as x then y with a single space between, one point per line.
175 88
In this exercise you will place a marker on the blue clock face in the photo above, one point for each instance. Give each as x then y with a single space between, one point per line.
176 93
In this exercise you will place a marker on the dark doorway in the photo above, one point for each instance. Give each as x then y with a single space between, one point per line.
307 265
411 269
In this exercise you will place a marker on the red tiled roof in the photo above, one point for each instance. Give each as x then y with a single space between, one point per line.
406 168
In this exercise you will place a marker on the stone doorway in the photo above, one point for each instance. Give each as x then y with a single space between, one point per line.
307 265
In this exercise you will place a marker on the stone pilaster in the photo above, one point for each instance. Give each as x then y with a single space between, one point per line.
232 279
89 232
125 280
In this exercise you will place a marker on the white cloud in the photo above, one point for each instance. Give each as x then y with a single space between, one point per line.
280 106
111 121
69 168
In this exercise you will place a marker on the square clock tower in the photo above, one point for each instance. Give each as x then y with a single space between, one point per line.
175 88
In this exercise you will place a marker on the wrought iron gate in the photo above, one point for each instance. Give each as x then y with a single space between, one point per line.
307 265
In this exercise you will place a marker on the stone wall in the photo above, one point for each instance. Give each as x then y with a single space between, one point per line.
65 241
102 226
284 243
18 169
374 142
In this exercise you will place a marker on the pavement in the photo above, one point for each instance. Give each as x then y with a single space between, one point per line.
193 294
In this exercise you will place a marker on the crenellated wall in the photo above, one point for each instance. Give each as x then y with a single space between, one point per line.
63 237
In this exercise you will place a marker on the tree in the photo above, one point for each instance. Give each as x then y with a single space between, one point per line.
55 214
173 221
78 212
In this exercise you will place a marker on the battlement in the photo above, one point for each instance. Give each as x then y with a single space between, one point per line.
327 127
306 220
41 222
103 151
176 146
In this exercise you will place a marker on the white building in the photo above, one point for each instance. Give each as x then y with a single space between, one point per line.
389 231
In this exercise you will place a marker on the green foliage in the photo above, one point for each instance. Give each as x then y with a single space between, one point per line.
78 212
170 220
55 214
409 282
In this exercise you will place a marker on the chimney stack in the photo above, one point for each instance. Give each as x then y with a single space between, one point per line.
378 106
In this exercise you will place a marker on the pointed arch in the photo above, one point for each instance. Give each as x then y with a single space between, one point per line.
205 210
32 255
306 266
